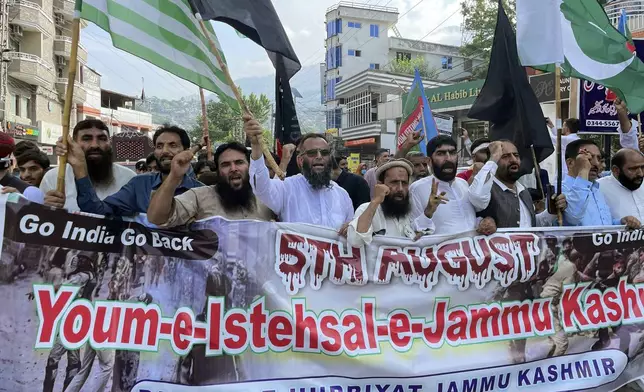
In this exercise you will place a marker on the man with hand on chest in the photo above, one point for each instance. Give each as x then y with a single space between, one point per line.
496 192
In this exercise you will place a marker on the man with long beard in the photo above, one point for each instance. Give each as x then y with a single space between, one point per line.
134 197
389 212
311 197
232 197
496 193
623 190
93 140
453 212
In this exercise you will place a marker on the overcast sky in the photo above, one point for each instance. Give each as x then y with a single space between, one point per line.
303 20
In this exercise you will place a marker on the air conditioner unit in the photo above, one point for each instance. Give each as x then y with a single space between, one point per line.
16 30
59 19
61 60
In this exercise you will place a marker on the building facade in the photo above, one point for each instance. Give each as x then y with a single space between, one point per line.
36 40
358 84
119 112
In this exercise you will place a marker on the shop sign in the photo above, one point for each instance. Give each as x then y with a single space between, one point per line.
22 131
544 87
359 142
50 132
455 95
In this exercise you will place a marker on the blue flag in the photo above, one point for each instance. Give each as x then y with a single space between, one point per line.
417 115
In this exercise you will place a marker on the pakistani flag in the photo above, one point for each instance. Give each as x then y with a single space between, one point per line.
165 33
417 115
594 49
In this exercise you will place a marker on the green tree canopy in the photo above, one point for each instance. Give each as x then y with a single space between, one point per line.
479 23
407 67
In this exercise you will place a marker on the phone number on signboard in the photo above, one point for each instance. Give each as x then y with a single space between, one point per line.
602 123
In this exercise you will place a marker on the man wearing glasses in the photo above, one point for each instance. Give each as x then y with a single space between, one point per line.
309 197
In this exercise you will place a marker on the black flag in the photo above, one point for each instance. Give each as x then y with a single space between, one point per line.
258 21
508 102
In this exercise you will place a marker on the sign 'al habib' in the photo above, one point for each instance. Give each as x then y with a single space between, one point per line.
455 95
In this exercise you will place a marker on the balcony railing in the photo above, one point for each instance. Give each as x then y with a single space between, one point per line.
64 6
363 6
634 13
32 5
29 57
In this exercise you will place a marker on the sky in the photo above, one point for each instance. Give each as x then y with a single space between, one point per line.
303 21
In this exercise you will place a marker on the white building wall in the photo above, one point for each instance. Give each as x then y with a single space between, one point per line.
126 117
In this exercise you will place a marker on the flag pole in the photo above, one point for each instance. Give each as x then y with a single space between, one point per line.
558 121
267 154
639 124
69 96
537 172
206 134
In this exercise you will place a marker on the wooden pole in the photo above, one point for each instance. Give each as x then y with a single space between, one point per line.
224 68
639 125
558 124
69 98
206 134
537 173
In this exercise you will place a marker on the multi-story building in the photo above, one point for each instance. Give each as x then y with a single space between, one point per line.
358 79
37 45
634 13
119 112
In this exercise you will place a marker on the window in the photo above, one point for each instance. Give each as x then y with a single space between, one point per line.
338 79
403 56
338 26
25 106
374 66
60 73
446 62
351 52
355 25
358 53
374 30
16 105
467 65
333 28
338 56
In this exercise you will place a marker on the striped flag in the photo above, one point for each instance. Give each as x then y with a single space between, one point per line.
165 33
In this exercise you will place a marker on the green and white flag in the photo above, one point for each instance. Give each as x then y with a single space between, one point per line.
594 50
165 33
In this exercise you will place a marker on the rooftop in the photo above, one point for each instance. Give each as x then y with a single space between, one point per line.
362 6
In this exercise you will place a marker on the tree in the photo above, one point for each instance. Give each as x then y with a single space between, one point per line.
407 67
479 23
224 124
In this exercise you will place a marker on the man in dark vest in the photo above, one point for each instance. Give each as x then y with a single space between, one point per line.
496 193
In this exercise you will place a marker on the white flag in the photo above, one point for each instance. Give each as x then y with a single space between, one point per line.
539 40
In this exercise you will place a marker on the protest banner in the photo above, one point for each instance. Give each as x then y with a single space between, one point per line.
266 306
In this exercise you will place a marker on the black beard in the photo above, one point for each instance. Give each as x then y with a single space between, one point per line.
100 171
160 167
317 180
447 177
233 199
393 208
506 176
628 183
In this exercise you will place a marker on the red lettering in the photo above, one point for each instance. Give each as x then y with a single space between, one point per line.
501 246
457 329
348 268
280 331
292 260
50 313
630 300
234 326
481 259
541 317
571 307
79 311
449 254
215 314
595 311
305 323
332 343
182 327
399 329
427 274
486 319
614 313
528 251
394 260
370 323
99 334
140 317
354 337
257 321
434 335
